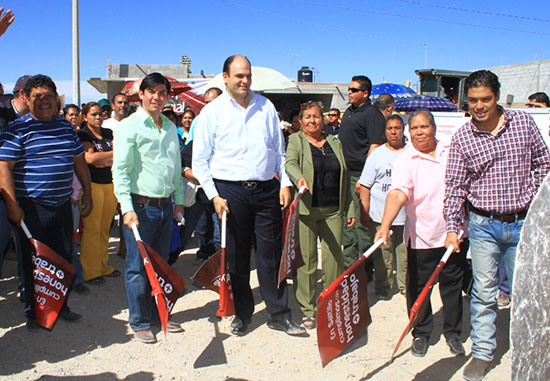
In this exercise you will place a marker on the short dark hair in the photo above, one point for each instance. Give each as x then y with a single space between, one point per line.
39 80
308 106
427 113
230 60
116 95
294 113
169 111
384 101
153 79
482 78
68 107
395 117
189 111
364 81
88 106
335 109
540 97
216 89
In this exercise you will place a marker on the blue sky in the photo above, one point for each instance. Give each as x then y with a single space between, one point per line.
381 39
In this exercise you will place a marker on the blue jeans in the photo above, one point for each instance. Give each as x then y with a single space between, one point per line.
155 228
489 240
503 283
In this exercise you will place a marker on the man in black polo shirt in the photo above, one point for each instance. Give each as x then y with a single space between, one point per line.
333 125
362 130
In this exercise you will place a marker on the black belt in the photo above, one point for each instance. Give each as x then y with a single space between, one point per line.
250 184
151 201
510 217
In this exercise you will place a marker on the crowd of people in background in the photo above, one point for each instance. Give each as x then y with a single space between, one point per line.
60 165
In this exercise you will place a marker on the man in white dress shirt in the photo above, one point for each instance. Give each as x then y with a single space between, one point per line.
238 151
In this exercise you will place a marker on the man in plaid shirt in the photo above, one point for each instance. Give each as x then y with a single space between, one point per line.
496 164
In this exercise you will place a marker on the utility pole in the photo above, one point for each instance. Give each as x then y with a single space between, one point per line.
292 58
76 56
425 56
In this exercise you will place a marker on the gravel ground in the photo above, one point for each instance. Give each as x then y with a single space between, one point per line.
101 345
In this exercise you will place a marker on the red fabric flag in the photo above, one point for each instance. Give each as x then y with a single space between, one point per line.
156 290
291 259
214 275
208 274
227 304
343 310
171 283
53 277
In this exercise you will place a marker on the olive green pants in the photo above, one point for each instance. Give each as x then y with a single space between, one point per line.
357 238
327 224
383 260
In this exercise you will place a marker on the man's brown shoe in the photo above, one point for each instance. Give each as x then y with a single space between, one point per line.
173 327
476 369
145 336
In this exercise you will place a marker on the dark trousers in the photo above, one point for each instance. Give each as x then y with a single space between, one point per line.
255 212
421 264
52 226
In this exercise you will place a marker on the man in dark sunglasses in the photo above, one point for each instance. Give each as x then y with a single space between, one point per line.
333 125
361 131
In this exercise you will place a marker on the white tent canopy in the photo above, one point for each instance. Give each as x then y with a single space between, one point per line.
263 79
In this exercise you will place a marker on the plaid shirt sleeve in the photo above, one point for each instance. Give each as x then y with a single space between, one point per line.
456 177
540 159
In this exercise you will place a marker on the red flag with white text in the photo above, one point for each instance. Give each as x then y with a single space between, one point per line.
343 311
53 277
214 275
291 259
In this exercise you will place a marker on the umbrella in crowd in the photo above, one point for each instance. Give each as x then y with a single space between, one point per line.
131 88
425 102
398 92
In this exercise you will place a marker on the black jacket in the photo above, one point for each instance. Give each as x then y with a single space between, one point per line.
7 113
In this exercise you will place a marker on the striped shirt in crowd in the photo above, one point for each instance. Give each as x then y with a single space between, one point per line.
500 173
43 153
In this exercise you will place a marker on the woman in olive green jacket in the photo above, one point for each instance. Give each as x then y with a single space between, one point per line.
317 161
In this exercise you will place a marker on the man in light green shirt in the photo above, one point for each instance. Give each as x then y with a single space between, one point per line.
146 174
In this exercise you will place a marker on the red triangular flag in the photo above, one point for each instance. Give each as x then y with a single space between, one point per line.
171 283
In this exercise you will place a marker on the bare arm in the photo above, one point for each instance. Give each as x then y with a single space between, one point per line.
188 174
394 202
364 197
81 170
97 159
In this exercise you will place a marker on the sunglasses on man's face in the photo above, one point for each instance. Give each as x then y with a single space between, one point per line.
354 89
332 114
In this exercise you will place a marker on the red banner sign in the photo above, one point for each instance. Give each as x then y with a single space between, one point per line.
342 312
53 277
291 258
